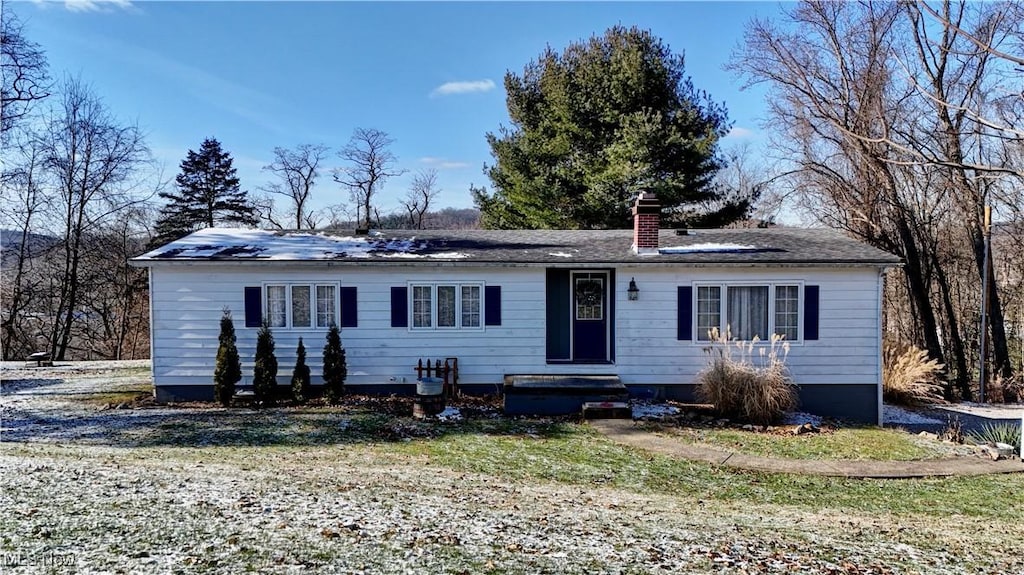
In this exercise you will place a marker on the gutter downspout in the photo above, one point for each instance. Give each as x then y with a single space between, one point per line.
881 342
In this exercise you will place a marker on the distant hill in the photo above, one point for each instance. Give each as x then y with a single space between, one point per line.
445 219
11 239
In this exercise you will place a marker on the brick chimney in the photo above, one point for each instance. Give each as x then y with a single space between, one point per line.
646 218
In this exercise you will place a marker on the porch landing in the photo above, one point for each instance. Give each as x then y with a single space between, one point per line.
560 394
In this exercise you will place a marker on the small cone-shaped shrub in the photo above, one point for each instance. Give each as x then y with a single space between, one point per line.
300 375
228 369
264 374
335 368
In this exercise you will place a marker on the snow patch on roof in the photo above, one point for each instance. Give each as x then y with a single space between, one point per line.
560 255
438 255
707 247
217 243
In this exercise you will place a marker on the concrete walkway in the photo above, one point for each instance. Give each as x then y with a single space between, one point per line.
626 432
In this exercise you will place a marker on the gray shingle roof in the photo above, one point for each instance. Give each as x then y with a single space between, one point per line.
793 246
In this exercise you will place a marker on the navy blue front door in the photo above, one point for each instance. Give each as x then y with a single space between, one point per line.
589 311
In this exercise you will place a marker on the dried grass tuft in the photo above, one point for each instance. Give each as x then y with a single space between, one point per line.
909 377
759 392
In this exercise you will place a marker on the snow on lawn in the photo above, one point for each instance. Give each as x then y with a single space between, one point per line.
897 415
800 418
450 414
653 410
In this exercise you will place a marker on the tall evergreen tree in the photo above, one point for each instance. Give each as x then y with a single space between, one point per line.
228 369
300 375
599 123
208 194
264 373
335 366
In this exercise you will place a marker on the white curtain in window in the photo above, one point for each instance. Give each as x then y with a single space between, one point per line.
325 306
445 306
470 306
277 315
300 306
748 312
421 304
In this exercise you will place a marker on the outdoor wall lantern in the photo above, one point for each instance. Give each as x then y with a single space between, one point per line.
633 292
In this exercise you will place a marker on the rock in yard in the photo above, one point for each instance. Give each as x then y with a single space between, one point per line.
805 428
996 451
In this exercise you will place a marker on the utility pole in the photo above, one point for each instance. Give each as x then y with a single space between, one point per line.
982 356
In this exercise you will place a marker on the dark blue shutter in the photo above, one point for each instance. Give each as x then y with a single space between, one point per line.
253 306
492 305
400 306
810 312
349 310
684 311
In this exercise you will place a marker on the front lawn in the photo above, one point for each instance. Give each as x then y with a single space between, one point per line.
366 488
844 443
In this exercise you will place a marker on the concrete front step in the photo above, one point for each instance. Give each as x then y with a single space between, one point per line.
607 410
560 394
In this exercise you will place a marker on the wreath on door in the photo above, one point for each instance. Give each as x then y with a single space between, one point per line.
588 293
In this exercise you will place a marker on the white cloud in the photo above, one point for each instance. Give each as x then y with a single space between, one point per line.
95 5
740 133
463 87
443 164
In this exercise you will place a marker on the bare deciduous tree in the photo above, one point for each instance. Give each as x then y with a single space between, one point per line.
421 194
880 117
298 171
370 164
23 76
92 160
20 213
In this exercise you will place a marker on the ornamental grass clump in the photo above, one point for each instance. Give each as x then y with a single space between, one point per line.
909 377
739 387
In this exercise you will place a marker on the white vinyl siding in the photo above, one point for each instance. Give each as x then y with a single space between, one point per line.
187 302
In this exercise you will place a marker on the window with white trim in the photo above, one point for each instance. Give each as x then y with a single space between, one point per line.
446 306
748 311
292 305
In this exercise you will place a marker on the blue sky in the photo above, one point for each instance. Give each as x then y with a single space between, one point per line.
256 75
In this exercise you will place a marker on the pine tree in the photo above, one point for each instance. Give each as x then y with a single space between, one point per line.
264 374
300 375
208 194
335 368
593 126
229 367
